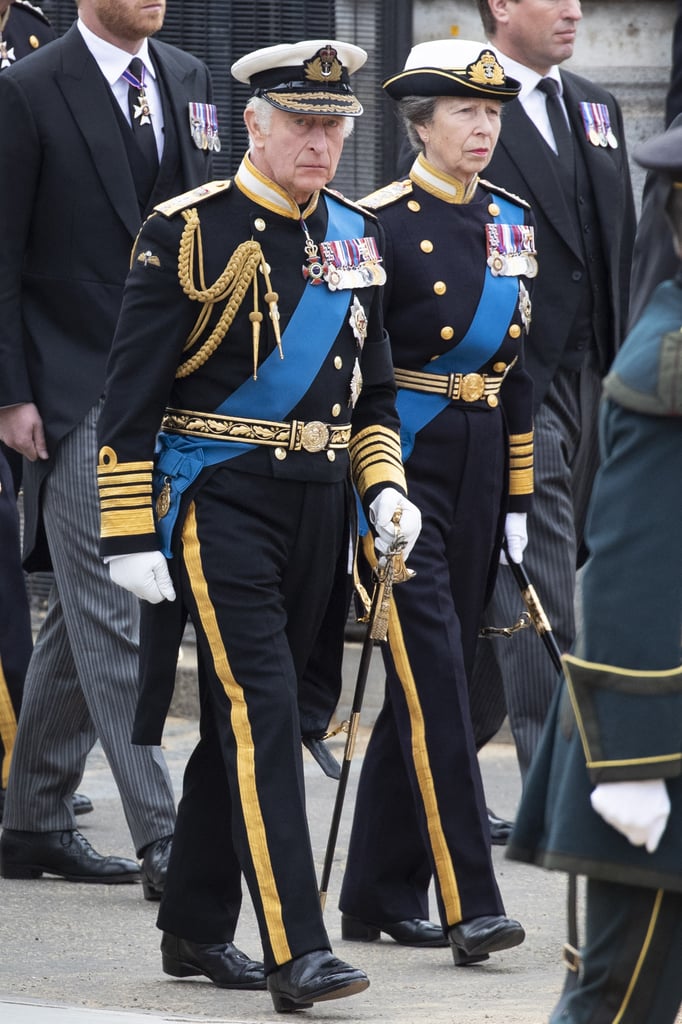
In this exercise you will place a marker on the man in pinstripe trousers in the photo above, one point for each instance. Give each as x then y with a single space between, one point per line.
573 170
75 184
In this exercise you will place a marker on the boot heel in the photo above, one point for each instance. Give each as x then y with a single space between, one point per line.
357 931
283 1004
19 871
176 968
151 892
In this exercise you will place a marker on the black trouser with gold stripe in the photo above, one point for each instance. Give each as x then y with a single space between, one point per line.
632 959
420 807
258 562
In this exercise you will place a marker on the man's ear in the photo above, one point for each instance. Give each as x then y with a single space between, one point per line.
251 121
499 9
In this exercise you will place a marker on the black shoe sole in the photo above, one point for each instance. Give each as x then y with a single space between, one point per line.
496 943
289 1004
30 871
355 930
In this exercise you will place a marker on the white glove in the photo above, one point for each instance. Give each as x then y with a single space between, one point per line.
144 574
639 810
380 512
516 535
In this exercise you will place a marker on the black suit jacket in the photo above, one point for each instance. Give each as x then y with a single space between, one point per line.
70 215
523 163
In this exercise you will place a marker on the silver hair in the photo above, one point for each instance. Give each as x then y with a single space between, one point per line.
263 115
413 111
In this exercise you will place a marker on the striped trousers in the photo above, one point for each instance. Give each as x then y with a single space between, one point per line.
81 684
515 676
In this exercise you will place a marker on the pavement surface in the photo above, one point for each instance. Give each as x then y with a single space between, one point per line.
89 954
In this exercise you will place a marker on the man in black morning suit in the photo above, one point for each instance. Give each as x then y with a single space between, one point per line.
585 220
71 204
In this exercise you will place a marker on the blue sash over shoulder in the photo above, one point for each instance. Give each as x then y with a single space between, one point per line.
486 332
281 383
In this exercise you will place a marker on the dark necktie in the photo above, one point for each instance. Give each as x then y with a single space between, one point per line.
140 117
557 120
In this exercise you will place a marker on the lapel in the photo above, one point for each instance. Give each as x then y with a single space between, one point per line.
87 95
179 87
526 148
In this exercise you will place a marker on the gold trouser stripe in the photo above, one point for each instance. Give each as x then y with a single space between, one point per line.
241 727
653 920
8 727
443 861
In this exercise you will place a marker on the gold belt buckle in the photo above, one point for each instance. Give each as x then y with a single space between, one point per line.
314 436
472 387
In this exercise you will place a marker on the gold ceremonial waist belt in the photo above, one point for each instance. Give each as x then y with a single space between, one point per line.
460 387
293 435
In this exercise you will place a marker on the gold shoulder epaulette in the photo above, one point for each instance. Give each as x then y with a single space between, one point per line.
191 198
498 190
25 5
387 195
348 202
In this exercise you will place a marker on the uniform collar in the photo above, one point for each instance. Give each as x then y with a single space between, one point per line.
269 194
441 185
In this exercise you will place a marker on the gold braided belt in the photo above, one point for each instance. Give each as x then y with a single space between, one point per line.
294 435
459 387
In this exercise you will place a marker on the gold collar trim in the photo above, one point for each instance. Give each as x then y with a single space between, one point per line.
269 194
441 185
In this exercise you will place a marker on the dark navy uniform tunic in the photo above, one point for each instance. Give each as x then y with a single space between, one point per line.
260 538
619 716
465 467
26 29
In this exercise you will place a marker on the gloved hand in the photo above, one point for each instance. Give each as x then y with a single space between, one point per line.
144 574
638 810
380 512
516 535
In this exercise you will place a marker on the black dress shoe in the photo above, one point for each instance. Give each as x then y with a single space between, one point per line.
155 867
82 804
220 962
323 755
67 853
313 978
473 940
500 829
413 932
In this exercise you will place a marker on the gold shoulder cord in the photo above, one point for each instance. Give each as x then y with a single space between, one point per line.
231 285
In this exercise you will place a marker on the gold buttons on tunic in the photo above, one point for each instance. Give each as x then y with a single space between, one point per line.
259 224
336 409
514 331
34 42
338 362
280 453
426 246
493 210
499 367
413 205
447 333
493 401
331 455
440 287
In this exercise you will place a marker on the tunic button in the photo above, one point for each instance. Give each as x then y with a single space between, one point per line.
414 206
499 367
447 333
426 246
259 224
493 210
331 455
338 362
514 331
280 453
493 401
440 287
336 409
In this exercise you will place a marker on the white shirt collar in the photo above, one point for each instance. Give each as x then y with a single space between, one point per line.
113 61
526 76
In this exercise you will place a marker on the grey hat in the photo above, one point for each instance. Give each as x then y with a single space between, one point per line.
662 153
